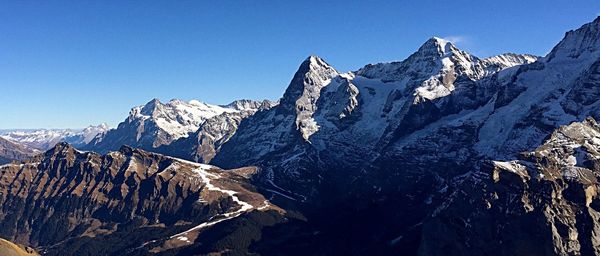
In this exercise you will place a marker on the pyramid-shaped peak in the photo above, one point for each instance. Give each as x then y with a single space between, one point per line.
150 107
61 148
317 65
154 101
436 46
317 61
311 76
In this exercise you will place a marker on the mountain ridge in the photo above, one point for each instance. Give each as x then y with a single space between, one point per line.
157 124
43 139
176 200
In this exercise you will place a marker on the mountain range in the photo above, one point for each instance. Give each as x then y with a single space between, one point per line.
443 153
44 139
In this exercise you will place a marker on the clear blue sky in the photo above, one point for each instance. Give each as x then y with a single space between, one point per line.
73 63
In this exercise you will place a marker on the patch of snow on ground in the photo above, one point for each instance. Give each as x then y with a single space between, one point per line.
207 180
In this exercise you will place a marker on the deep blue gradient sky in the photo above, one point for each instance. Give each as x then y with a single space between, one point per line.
73 63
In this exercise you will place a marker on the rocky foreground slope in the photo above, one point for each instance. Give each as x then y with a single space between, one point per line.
67 202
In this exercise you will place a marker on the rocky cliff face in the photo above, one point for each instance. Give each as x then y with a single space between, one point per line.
290 121
67 202
545 203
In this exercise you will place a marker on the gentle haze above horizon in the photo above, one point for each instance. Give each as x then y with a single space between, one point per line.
69 64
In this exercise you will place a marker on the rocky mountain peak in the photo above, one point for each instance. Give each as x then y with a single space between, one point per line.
61 148
317 61
432 58
436 47
155 124
149 108
304 90
312 75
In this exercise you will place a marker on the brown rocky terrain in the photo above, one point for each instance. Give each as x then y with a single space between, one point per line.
68 202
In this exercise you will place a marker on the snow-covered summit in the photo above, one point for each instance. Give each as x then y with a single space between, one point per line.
437 46
434 55
177 118
90 132
160 123
302 94
156 124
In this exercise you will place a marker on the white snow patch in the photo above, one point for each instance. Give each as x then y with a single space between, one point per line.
207 179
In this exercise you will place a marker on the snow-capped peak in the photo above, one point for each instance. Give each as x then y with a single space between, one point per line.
503 61
176 117
301 95
195 102
437 46
317 61
150 107
432 57
313 74
90 132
